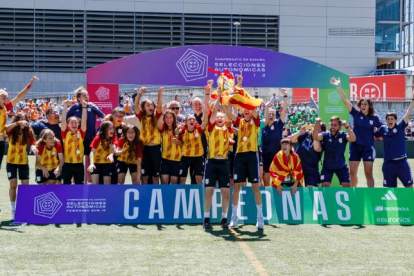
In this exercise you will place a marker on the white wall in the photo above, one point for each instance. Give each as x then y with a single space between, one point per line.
304 28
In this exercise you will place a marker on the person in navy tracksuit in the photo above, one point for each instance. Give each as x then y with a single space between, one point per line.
365 122
395 153
334 145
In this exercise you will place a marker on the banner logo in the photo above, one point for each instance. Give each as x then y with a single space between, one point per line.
47 205
371 91
193 65
389 196
333 97
102 93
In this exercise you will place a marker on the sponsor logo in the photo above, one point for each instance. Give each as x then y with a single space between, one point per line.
47 205
193 65
389 196
102 93
380 208
396 220
334 97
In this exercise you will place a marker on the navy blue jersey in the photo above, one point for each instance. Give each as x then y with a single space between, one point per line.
271 137
364 127
39 126
394 141
334 147
308 156
92 113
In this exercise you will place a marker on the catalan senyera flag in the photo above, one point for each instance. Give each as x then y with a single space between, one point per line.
233 94
283 166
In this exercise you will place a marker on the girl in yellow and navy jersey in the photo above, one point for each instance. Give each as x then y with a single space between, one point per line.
20 136
102 153
49 158
171 150
148 114
129 152
6 106
217 165
73 138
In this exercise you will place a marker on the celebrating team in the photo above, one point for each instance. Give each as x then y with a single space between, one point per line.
219 144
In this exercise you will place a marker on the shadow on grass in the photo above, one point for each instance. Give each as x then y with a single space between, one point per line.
356 226
241 235
6 226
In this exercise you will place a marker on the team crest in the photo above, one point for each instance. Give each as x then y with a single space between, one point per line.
340 140
394 130
371 122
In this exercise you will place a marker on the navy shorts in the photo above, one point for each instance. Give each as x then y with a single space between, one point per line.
231 163
358 152
104 169
151 161
246 165
342 174
13 168
75 171
397 169
217 170
41 179
196 163
312 178
122 167
169 167
267 161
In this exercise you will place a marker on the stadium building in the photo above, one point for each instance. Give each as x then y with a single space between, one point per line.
59 40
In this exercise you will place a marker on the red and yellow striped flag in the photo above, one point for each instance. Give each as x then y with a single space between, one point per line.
283 166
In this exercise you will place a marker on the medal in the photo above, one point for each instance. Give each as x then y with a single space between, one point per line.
77 151
196 135
120 131
245 138
78 135
89 109
53 152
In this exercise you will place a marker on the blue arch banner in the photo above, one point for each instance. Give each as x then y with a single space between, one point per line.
188 66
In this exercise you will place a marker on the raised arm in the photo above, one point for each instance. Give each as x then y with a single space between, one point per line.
294 137
254 113
215 109
64 114
351 137
337 83
138 99
230 114
159 100
285 105
206 112
84 117
23 93
316 135
267 112
409 110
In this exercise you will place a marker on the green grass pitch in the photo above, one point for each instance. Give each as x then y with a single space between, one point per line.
189 250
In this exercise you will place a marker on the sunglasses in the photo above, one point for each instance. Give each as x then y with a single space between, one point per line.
174 108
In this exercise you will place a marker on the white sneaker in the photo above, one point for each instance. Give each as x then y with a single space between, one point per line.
260 223
234 221
13 214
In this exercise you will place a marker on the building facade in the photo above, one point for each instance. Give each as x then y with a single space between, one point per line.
59 40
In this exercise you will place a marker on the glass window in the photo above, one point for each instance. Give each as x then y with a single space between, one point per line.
387 38
388 10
